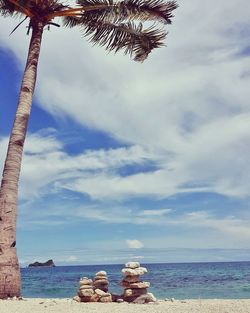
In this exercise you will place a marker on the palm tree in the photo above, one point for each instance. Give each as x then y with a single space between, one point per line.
115 25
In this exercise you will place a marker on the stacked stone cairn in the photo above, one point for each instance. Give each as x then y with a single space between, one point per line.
135 290
101 281
94 291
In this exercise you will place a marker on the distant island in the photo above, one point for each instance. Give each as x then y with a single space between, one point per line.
49 263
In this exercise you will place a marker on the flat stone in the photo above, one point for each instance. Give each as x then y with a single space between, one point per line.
106 299
95 298
145 299
100 278
130 299
134 292
120 300
139 285
152 297
85 299
100 282
132 279
101 273
115 297
134 272
105 288
85 281
77 299
85 292
101 287
125 284
107 294
100 292
132 265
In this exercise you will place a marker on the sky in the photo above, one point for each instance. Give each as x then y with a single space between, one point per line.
128 161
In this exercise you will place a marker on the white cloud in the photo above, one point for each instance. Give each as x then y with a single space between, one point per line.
227 231
160 212
42 142
185 110
187 106
236 228
101 179
134 244
72 258
227 226
63 170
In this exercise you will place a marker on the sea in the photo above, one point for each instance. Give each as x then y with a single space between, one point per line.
229 280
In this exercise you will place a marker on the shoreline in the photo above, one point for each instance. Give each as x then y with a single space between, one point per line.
66 305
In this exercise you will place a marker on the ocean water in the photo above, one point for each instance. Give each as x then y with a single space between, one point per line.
230 280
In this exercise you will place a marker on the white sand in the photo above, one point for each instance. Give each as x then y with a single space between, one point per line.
178 306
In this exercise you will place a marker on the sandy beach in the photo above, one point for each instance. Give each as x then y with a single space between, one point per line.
177 306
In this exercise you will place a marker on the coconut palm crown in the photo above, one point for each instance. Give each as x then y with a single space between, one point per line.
116 25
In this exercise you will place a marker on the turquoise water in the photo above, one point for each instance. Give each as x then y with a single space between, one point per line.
229 280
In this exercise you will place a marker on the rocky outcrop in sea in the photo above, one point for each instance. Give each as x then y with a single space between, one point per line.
49 263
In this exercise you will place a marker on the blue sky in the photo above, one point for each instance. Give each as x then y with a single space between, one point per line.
127 161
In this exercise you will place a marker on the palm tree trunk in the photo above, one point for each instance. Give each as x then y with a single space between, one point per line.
10 284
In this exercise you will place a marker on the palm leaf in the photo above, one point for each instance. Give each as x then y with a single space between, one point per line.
112 11
72 20
31 8
125 36
7 8
110 24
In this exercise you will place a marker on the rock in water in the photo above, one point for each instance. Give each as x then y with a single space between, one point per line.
49 263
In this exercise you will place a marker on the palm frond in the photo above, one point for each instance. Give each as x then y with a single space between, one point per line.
18 25
30 8
43 8
72 20
125 36
143 10
8 9
42 4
